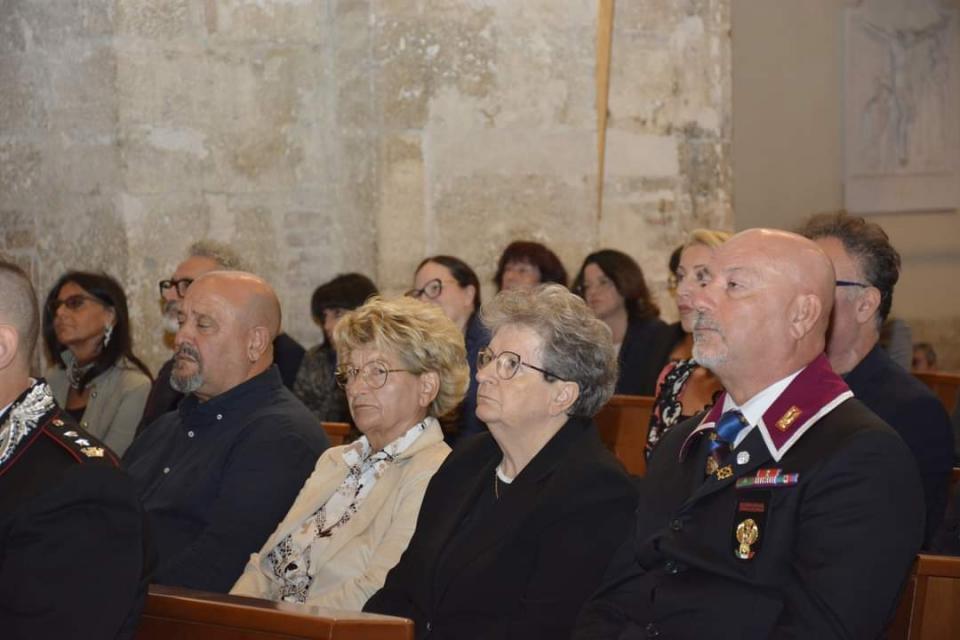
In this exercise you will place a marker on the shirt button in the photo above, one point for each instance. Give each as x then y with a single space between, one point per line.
93 394
652 631
676 525
166 469
190 433
219 416
84 424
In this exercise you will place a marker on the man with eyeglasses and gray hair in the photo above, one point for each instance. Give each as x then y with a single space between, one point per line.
867 268
219 473
204 256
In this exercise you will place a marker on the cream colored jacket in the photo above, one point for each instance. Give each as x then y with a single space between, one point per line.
354 564
115 404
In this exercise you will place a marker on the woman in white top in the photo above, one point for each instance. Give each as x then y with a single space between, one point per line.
402 364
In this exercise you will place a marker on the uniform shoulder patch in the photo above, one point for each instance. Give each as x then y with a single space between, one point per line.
82 446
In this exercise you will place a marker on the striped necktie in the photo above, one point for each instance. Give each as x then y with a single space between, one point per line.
721 440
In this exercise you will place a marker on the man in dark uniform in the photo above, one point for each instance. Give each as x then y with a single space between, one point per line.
789 510
867 268
72 543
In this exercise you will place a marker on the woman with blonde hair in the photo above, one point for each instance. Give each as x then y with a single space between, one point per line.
684 388
402 365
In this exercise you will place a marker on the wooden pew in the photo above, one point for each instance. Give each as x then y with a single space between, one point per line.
623 423
173 613
337 432
945 385
929 608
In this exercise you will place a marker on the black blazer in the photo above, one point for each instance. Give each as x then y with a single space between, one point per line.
644 352
530 560
910 407
833 552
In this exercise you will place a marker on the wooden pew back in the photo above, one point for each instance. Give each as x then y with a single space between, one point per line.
945 385
173 613
623 423
929 609
337 432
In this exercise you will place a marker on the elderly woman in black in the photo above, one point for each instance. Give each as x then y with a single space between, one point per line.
518 525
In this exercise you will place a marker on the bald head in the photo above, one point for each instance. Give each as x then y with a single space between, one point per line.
252 299
228 321
18 310
800 262
764 311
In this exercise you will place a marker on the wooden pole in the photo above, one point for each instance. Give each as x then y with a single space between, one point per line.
604 49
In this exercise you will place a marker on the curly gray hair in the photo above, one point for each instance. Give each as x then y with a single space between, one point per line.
223 254
577 346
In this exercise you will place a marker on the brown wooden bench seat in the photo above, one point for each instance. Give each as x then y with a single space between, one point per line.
337 432
623 423
946 386
174 613
930 607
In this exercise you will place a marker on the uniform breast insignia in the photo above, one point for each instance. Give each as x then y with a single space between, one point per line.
788 418
92 452
57 422
711 466
724 472
71 434
768 478
747 535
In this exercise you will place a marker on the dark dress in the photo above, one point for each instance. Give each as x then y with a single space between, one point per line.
75 558
645 350
520 566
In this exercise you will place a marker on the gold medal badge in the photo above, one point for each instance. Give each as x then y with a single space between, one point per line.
747 534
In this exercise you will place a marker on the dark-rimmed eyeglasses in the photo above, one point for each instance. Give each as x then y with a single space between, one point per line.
374 374
72 303
180 285
852 283
431 290
508 363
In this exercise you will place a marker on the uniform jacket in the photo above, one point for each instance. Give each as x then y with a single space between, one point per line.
836 504
527 563
355 562
114 405
917 415
74 554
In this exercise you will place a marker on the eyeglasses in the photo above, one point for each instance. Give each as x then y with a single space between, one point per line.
851 283
508 363
374 374
431 290
180 285
72 303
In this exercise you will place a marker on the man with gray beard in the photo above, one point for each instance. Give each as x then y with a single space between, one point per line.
788 510
218 474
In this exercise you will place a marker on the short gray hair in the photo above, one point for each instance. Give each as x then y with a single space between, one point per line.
221 253
577 346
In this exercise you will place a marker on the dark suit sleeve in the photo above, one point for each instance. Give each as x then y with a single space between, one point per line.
847 580
72 565
265 472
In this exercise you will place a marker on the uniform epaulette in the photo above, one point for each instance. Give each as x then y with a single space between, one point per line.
82 446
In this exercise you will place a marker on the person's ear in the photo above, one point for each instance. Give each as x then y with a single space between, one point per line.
258 343
805 312
564 396
429 388
9 345
867 304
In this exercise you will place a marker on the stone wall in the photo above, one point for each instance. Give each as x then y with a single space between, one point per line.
320 136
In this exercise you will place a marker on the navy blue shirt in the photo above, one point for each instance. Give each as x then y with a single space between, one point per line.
910 407
217 477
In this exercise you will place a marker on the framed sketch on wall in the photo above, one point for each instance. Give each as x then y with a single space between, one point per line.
902 106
